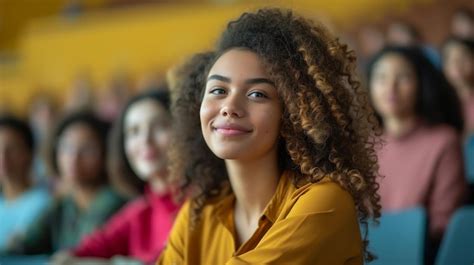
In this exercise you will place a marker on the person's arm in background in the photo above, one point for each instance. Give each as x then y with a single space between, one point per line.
448 188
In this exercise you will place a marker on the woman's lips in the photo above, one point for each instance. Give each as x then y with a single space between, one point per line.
231 129
149 155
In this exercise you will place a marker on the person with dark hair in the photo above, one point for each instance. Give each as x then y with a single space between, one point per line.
85 201
403 33
140 230
422 123
20 200
274 140
458 66
462 23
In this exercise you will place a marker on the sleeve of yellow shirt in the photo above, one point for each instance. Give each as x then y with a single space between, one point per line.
320 228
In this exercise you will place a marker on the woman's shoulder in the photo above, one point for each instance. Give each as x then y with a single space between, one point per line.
39 195
323 196
134 207
32 198
441 132
442 136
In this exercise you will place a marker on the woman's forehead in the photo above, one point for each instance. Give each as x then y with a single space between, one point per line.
238 63
143 110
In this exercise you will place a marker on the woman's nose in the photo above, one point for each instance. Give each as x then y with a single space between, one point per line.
232 108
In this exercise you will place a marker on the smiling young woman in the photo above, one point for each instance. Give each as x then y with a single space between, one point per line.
273 139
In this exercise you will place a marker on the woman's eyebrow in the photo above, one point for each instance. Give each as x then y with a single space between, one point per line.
251 81
254 81
219 78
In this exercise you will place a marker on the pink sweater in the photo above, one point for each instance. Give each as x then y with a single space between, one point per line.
139 230
423 168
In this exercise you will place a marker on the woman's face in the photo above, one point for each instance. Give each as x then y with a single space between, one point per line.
79 155
241 111
393 87
458 65
15 157
146 127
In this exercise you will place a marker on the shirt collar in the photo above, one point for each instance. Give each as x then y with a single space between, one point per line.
224 207
274 207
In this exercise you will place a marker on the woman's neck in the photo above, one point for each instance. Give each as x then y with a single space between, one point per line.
84 196
159 182
399 126
253 183
13 189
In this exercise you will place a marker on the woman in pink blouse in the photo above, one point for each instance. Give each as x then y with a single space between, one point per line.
140 230
420 159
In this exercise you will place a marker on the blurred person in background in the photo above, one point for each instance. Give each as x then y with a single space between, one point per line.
42 115
404 34
458 66
462 23
85 201
81 96
140 230
114 96
421 160
370 40
20 200
151 80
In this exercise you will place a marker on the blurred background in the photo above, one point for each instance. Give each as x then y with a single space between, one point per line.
64 56
54 50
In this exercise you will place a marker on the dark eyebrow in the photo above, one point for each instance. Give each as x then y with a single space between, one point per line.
251 81
219 78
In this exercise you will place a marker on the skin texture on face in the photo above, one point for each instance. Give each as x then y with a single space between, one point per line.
393 87
15 157
240 111
80 158
458 65
146 137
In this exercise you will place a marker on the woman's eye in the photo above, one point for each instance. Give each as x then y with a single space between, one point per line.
257 94
217 91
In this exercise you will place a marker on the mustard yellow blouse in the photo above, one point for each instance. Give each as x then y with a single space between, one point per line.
314 224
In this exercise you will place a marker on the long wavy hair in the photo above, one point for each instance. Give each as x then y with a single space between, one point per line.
328 127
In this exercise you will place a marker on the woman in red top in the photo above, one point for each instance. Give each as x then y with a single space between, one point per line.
140 230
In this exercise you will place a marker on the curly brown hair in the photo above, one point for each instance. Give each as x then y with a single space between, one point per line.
328 127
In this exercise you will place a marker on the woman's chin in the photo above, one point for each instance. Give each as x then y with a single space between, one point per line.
146 172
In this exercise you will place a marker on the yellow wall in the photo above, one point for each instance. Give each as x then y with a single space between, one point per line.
53 51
